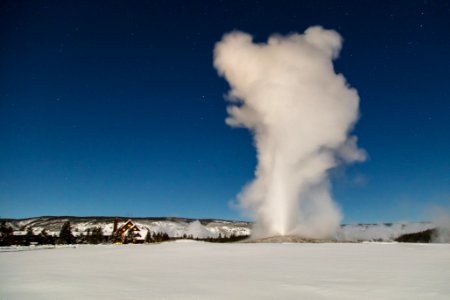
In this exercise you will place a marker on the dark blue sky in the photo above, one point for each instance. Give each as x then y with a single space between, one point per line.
114 108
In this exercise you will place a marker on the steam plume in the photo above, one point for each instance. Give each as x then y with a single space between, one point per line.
300 112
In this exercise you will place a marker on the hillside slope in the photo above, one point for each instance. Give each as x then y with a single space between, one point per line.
204 228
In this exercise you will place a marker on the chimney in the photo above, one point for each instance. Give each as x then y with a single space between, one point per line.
116 221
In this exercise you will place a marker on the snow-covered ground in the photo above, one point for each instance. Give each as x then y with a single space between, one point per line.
197 270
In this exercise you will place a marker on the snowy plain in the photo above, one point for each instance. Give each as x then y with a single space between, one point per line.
198 270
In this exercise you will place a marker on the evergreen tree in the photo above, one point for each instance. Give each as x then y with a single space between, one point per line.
6 235
44 238
65 235
148 237
96 236
29 236
157 237
131 236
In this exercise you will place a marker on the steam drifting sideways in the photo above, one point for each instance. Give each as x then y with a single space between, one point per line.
300 112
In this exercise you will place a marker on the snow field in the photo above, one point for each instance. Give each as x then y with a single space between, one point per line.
197 270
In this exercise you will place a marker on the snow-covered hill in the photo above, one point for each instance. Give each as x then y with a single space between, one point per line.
380 232
204 228
174 227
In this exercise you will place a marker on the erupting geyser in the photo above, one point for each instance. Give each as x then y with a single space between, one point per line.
300 112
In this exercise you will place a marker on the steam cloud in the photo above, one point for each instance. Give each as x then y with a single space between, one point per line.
300 112
441 219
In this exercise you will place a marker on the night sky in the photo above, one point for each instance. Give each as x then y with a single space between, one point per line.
114 107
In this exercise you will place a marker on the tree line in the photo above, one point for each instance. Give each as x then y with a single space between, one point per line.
94 235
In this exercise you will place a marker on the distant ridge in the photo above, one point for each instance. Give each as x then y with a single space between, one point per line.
107 218
173 226
208 227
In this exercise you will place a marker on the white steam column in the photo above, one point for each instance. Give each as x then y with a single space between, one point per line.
300 112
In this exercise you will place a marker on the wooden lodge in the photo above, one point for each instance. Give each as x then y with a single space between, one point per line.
127 233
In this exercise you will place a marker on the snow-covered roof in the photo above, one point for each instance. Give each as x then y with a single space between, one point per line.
20 233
